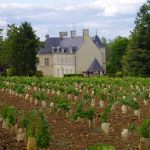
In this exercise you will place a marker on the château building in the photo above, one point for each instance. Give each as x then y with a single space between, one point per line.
72 55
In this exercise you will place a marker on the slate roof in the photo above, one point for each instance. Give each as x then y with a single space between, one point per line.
66 43
72 42
49 43
95 66
97 41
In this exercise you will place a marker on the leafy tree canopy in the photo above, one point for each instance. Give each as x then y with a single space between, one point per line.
118 48
22 45
137 59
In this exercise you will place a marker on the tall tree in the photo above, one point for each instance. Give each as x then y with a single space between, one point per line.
118 48
137 59
23 45
1 45
2 51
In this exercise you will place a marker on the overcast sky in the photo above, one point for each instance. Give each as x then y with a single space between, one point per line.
110 17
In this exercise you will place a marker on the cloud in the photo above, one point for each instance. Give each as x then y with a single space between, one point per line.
110 17
2 22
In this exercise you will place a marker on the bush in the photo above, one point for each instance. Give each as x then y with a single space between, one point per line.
39 74
11 72
73 75
101 147
119 74
144 128
40 95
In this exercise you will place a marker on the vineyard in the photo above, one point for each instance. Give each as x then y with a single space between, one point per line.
74 113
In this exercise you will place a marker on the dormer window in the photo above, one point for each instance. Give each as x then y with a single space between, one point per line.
65 50
55 50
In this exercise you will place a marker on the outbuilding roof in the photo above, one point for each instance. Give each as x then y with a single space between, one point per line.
95 66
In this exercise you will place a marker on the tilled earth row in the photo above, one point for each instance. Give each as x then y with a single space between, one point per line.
66 135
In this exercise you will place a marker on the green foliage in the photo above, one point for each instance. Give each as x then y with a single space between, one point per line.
81 113
39 74
119 74
20 89
9 113
86 98
90 114
145 94
104 116
70 90
137 62
22 46
101 147
42 136
40 95
144 128
132 128
137 59
2 85
63 104
35 122
118 49
131 103
31 120
11 72
73 75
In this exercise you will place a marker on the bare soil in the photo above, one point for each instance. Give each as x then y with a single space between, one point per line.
66 135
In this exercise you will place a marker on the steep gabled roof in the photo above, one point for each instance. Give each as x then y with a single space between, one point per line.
95 66
72 42
97 41
66 43
49 43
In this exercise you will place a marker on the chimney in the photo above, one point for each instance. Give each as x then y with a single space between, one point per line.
85 34
62 34
73 34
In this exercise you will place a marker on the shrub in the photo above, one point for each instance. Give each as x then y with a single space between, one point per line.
73 75
11 72
39 74
119 74
144 128
40 95
101 147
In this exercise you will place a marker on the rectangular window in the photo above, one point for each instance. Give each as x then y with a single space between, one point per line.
46 61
